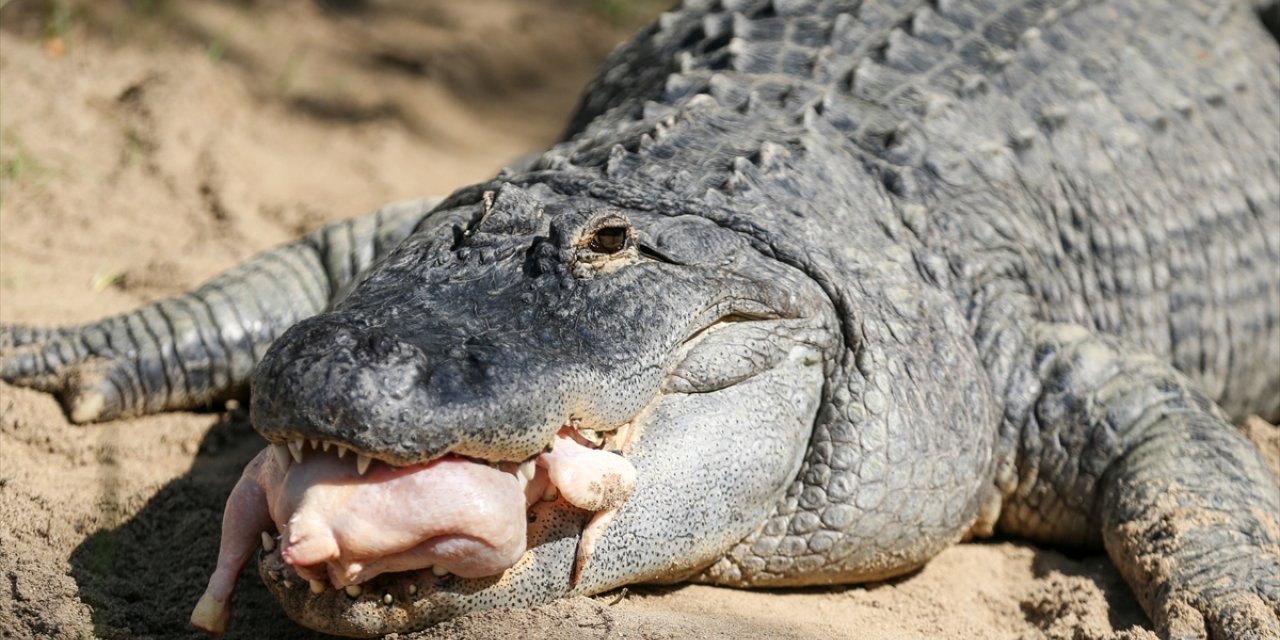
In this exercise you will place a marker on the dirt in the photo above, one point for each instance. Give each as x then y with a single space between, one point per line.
144 148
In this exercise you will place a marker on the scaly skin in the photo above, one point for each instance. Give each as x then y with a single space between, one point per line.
898 273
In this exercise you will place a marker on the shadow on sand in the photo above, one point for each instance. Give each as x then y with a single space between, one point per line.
143 577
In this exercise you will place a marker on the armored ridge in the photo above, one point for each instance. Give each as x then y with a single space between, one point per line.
1114 161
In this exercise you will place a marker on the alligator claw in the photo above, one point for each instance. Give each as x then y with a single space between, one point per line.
90 382
1244 615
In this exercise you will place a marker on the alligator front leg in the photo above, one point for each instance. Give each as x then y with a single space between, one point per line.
1119 444
191 349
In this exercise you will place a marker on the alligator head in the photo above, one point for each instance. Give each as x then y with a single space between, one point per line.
535 395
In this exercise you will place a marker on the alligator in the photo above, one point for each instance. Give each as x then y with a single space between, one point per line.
808 292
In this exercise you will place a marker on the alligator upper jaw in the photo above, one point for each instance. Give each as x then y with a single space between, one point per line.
345 522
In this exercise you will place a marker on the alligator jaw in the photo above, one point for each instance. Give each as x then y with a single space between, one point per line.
412 600
338 531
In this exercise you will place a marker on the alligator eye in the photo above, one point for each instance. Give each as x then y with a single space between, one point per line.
609 240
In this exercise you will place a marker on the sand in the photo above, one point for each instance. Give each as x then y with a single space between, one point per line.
143 150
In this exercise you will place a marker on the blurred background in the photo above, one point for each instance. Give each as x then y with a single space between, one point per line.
146 145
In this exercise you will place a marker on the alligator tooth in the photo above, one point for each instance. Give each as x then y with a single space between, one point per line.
342 451
317 586
413 588
324 446
315 444
387 599
287 584
439 571
268 543
592 436
275 575
281 453
354 590
295 450
528 468
362 463
550 494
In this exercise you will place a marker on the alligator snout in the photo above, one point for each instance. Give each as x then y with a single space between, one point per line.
325 379
342 379
373 363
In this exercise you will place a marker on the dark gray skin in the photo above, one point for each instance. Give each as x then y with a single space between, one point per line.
890 276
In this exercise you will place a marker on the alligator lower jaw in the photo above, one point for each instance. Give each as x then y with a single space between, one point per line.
412 600
352 530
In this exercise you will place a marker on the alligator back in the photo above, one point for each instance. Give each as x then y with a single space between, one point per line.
1115 164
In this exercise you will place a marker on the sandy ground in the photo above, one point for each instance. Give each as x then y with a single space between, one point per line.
144 149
